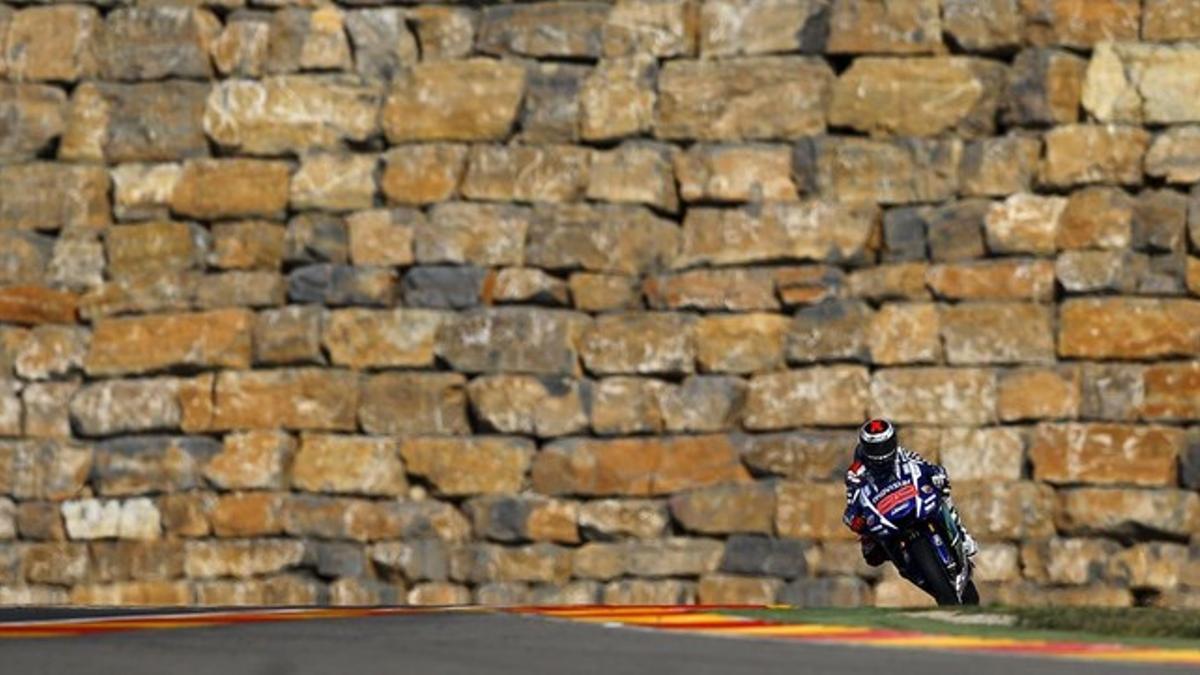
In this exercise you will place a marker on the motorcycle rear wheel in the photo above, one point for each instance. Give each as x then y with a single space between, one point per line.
937 582
970 594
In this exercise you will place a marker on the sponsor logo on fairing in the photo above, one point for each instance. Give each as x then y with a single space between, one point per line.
890 501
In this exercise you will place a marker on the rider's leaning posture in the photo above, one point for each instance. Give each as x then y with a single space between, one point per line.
878 459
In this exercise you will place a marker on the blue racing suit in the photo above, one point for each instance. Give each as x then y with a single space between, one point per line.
859 473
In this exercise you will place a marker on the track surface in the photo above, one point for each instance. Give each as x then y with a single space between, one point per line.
466 642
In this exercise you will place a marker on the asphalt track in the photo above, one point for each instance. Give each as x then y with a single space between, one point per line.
454 643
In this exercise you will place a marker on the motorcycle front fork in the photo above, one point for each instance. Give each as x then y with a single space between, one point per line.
951 529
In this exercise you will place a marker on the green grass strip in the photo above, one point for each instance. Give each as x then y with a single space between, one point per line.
1134 626
1119 621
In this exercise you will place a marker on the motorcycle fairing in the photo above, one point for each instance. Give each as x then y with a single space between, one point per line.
908 506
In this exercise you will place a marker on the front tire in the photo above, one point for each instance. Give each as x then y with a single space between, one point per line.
926 563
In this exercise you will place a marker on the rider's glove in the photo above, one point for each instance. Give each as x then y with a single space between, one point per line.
940 481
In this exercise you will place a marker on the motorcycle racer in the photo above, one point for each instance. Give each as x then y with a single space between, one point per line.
877 459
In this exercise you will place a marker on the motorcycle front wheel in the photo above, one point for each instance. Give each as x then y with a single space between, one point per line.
926 563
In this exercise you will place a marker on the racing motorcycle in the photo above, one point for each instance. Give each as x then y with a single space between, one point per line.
910 519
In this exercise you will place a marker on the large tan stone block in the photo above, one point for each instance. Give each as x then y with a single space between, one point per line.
36 305
1106 454
334 182
551 173
919 97
1128 328
290 114
628 405
996 454
906 333
1039 393
1004 279
49 196
635 466
618 99
1169 20
887 171
1097 218
743 99
444 32
618 518
634 174
472 100
150 43
811 511
516 340
612 239
934 396
423 174
155 247
661 28
735 173
999 166
827 396
241 558
812 230
547 29
247 514
364 338
146 344
53 43
983 26
723 589
639 343
726 509
35 116
523 404
252 460
466 466
1172 391
303 398
1136 83
800 456
1025 223
222 188
1016 510
349 464
414 403
1080 23
741 343
871 26
987 332
1125 511
1083 154
733 28
117 406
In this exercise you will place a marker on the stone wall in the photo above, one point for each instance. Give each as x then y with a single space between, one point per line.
582 301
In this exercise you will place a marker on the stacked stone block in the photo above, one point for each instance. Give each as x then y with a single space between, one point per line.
575 302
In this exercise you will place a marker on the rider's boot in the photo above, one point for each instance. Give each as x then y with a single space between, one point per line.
970 548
